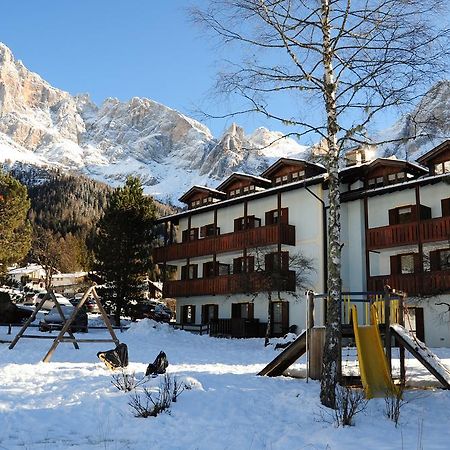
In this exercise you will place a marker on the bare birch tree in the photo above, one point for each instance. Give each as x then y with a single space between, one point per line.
345 62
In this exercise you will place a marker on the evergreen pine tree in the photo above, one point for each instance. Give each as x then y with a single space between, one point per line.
124 244
15 230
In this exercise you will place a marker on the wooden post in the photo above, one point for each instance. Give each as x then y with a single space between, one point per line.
401 321
387 325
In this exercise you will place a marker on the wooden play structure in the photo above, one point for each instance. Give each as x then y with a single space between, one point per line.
66 322
374 323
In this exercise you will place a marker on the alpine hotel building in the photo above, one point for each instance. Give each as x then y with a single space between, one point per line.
395 230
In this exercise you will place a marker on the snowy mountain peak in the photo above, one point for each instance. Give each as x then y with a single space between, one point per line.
43 125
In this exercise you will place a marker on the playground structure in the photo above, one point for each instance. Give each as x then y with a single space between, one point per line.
66 322
374 323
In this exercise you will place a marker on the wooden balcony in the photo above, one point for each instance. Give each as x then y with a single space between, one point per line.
229 242
229 284
238 328
426 283
430 230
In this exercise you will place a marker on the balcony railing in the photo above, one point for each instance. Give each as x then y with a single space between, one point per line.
229 242
430 230
230 284
426 283
239 328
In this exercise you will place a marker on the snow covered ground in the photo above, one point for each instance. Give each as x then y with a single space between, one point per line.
70 402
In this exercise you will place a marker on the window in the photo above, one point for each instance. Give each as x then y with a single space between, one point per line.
244 264
251 187
189 272
214 269
280 318
440 259
277 181
406 264
404 214
209 230
396 177
408 214
209 312
298 175
276 262
442 167
272 217
242 311
190 235
188 314
241 224
375 182
284 179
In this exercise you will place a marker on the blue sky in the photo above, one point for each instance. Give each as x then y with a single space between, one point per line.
120 49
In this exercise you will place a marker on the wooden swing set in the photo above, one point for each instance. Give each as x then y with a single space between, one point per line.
66 323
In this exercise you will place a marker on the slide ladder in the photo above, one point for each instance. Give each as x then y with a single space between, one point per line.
373 366
286 358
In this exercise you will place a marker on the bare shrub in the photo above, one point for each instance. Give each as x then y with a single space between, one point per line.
150 404
393 401
349 403
126 382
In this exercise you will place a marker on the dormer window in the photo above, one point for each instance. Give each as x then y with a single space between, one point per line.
398 177
298 175
442 167
277 181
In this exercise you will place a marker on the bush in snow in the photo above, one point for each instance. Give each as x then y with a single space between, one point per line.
150 404
349 402
126 382
392 404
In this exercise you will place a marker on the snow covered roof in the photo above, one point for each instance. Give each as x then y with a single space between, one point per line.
238 175
196 188
30 268
289 162
444 146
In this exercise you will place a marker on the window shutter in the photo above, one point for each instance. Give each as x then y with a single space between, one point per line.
269 261
425 212
237 265
393 216
250 222
204 314
195 272
216 311
284 261
194 233
435 262
185 236
395 265
238 224
269 218
251 311
285 215
250 263
445 207
184 272
417 263
414 215
285 317
193 314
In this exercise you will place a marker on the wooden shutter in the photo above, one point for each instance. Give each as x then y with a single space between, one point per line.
250 222
216 311
251 311
420 324
435 260
195 271
395 265
269 261
250 264
237 265
414 217
285 317
425 212
184 272
208 269
185 236
284 215
417 263
269 218
445 207
393 216
193 234
284 261
238 224
193 314
205 314
235 311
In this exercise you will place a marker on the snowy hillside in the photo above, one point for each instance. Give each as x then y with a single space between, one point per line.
42 125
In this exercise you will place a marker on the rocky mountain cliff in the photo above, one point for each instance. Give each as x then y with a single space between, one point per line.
45 126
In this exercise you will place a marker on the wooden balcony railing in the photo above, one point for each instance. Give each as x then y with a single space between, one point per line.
239 328
430 230
255 237
426 283
230 284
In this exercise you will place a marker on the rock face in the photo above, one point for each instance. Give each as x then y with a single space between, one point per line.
429 121
43 125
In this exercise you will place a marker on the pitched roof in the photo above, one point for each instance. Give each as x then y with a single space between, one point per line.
206 190
243 176
434 152
288 162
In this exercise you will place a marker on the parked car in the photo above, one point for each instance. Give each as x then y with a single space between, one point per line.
11 313
151 310
90 303
53 320
48 304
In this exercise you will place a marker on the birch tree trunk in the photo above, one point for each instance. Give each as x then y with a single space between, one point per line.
331 356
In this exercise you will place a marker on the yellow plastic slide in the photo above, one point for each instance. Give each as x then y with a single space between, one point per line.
375 376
